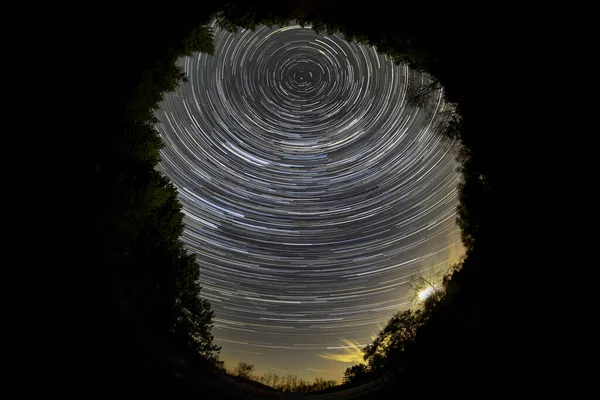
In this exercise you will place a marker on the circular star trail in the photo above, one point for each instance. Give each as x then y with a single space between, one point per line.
312 192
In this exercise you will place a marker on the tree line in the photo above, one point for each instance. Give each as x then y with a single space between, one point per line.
394 346
152 278
284 383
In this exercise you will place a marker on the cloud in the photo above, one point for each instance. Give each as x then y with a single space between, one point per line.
351 353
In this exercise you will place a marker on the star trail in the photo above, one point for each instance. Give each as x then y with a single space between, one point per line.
313 194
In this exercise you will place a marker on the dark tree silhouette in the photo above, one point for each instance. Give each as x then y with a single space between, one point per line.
152 276
356 374
244 370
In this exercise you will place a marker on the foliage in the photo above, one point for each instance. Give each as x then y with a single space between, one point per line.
393 341
200 40
149 268
244 370
356 374
289 382
393 347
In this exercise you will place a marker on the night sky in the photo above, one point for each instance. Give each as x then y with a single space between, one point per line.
313 194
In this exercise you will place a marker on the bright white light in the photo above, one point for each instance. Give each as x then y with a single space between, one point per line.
425 293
